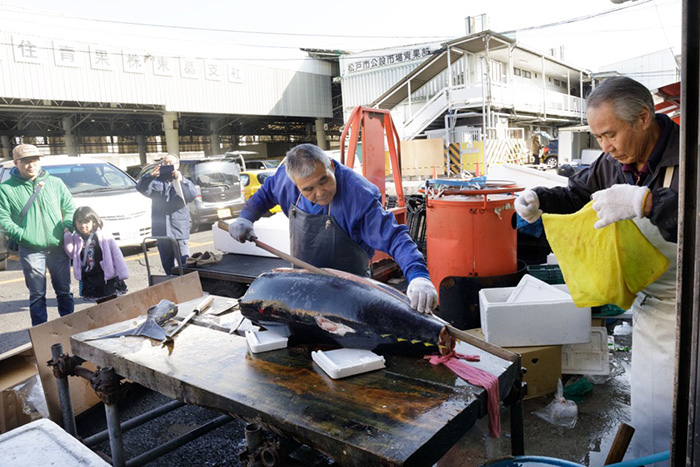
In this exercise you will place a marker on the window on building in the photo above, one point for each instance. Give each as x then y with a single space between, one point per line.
516 71
527 74
557 82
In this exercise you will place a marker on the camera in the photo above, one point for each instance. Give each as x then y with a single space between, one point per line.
166 172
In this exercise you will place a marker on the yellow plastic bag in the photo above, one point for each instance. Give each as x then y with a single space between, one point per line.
601 266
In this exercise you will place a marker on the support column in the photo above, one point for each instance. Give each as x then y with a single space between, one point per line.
5 140
71 147
141 142
172 137
215 138
321 141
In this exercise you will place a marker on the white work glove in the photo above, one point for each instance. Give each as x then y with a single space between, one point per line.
422 294
242 229
527 205
619 202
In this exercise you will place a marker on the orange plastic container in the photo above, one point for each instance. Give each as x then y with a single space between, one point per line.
471 234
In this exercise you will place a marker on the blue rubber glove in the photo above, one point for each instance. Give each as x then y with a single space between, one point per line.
422 294
242 230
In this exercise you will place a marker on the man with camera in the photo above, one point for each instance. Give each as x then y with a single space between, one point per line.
170 193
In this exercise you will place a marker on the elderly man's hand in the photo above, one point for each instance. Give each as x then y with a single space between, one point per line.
527 205
619 202
422 294
242 230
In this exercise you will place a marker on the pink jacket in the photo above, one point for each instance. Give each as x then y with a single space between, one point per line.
113 263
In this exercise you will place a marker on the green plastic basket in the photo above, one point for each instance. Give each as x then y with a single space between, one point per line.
549 273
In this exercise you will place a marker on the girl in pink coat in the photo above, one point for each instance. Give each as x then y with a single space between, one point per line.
98 263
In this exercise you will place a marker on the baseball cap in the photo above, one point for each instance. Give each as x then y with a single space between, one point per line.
25 150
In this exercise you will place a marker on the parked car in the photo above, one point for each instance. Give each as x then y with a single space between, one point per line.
105 188
252 180
261 164
550 154
218 185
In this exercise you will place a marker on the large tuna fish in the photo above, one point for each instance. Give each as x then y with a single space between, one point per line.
344 310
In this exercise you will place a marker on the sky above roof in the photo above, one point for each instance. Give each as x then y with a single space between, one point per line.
593 33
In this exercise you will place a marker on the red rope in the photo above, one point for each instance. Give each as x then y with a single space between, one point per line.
477 377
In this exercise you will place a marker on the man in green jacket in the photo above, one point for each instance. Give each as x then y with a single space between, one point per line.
38 228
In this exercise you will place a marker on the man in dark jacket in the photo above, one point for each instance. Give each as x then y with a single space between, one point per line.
170 217
38 229
635 178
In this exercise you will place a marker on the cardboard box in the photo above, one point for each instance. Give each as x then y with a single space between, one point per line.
520 324
543 365
273 230
16 367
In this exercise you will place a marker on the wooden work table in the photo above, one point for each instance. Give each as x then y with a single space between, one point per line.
409 413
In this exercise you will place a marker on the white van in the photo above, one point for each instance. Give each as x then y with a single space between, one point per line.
104 187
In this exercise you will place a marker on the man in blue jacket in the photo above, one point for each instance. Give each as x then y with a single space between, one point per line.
336 220
170 216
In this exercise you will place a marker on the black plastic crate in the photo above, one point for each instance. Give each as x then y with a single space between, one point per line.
549 273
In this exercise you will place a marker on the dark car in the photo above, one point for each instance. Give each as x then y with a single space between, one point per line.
218 185
550 154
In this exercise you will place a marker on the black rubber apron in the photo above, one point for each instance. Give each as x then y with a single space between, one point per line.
319 240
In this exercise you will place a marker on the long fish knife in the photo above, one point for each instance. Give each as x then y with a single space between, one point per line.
203 305
280 254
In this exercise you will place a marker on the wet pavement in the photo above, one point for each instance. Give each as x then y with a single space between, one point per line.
599 415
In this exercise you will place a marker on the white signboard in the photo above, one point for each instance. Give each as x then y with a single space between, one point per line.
214 70
164 66
28 49
102 58
133 62
235 73
189 68
68 54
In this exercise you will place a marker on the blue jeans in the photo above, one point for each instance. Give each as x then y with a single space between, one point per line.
168 254
34 265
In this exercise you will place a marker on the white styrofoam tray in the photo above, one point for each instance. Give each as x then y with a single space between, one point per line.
340 363
273 230
264 341
532 289
591 358
522 324
42 442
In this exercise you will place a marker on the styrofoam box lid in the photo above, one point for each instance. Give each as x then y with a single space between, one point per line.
340 363
264 341
42 442
587 359
531 289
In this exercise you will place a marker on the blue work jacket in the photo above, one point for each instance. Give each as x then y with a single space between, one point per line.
357 209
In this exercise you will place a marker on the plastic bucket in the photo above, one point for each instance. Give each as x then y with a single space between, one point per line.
471 235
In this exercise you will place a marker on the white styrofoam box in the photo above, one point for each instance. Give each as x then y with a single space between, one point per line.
340 363
42 442
532 289
587 359
273 230
523 324
264 341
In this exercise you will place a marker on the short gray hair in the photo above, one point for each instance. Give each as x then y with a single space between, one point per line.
626 96
301 160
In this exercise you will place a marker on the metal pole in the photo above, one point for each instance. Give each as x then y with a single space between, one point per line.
253 440
97 438
64 396
116 442
175 443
